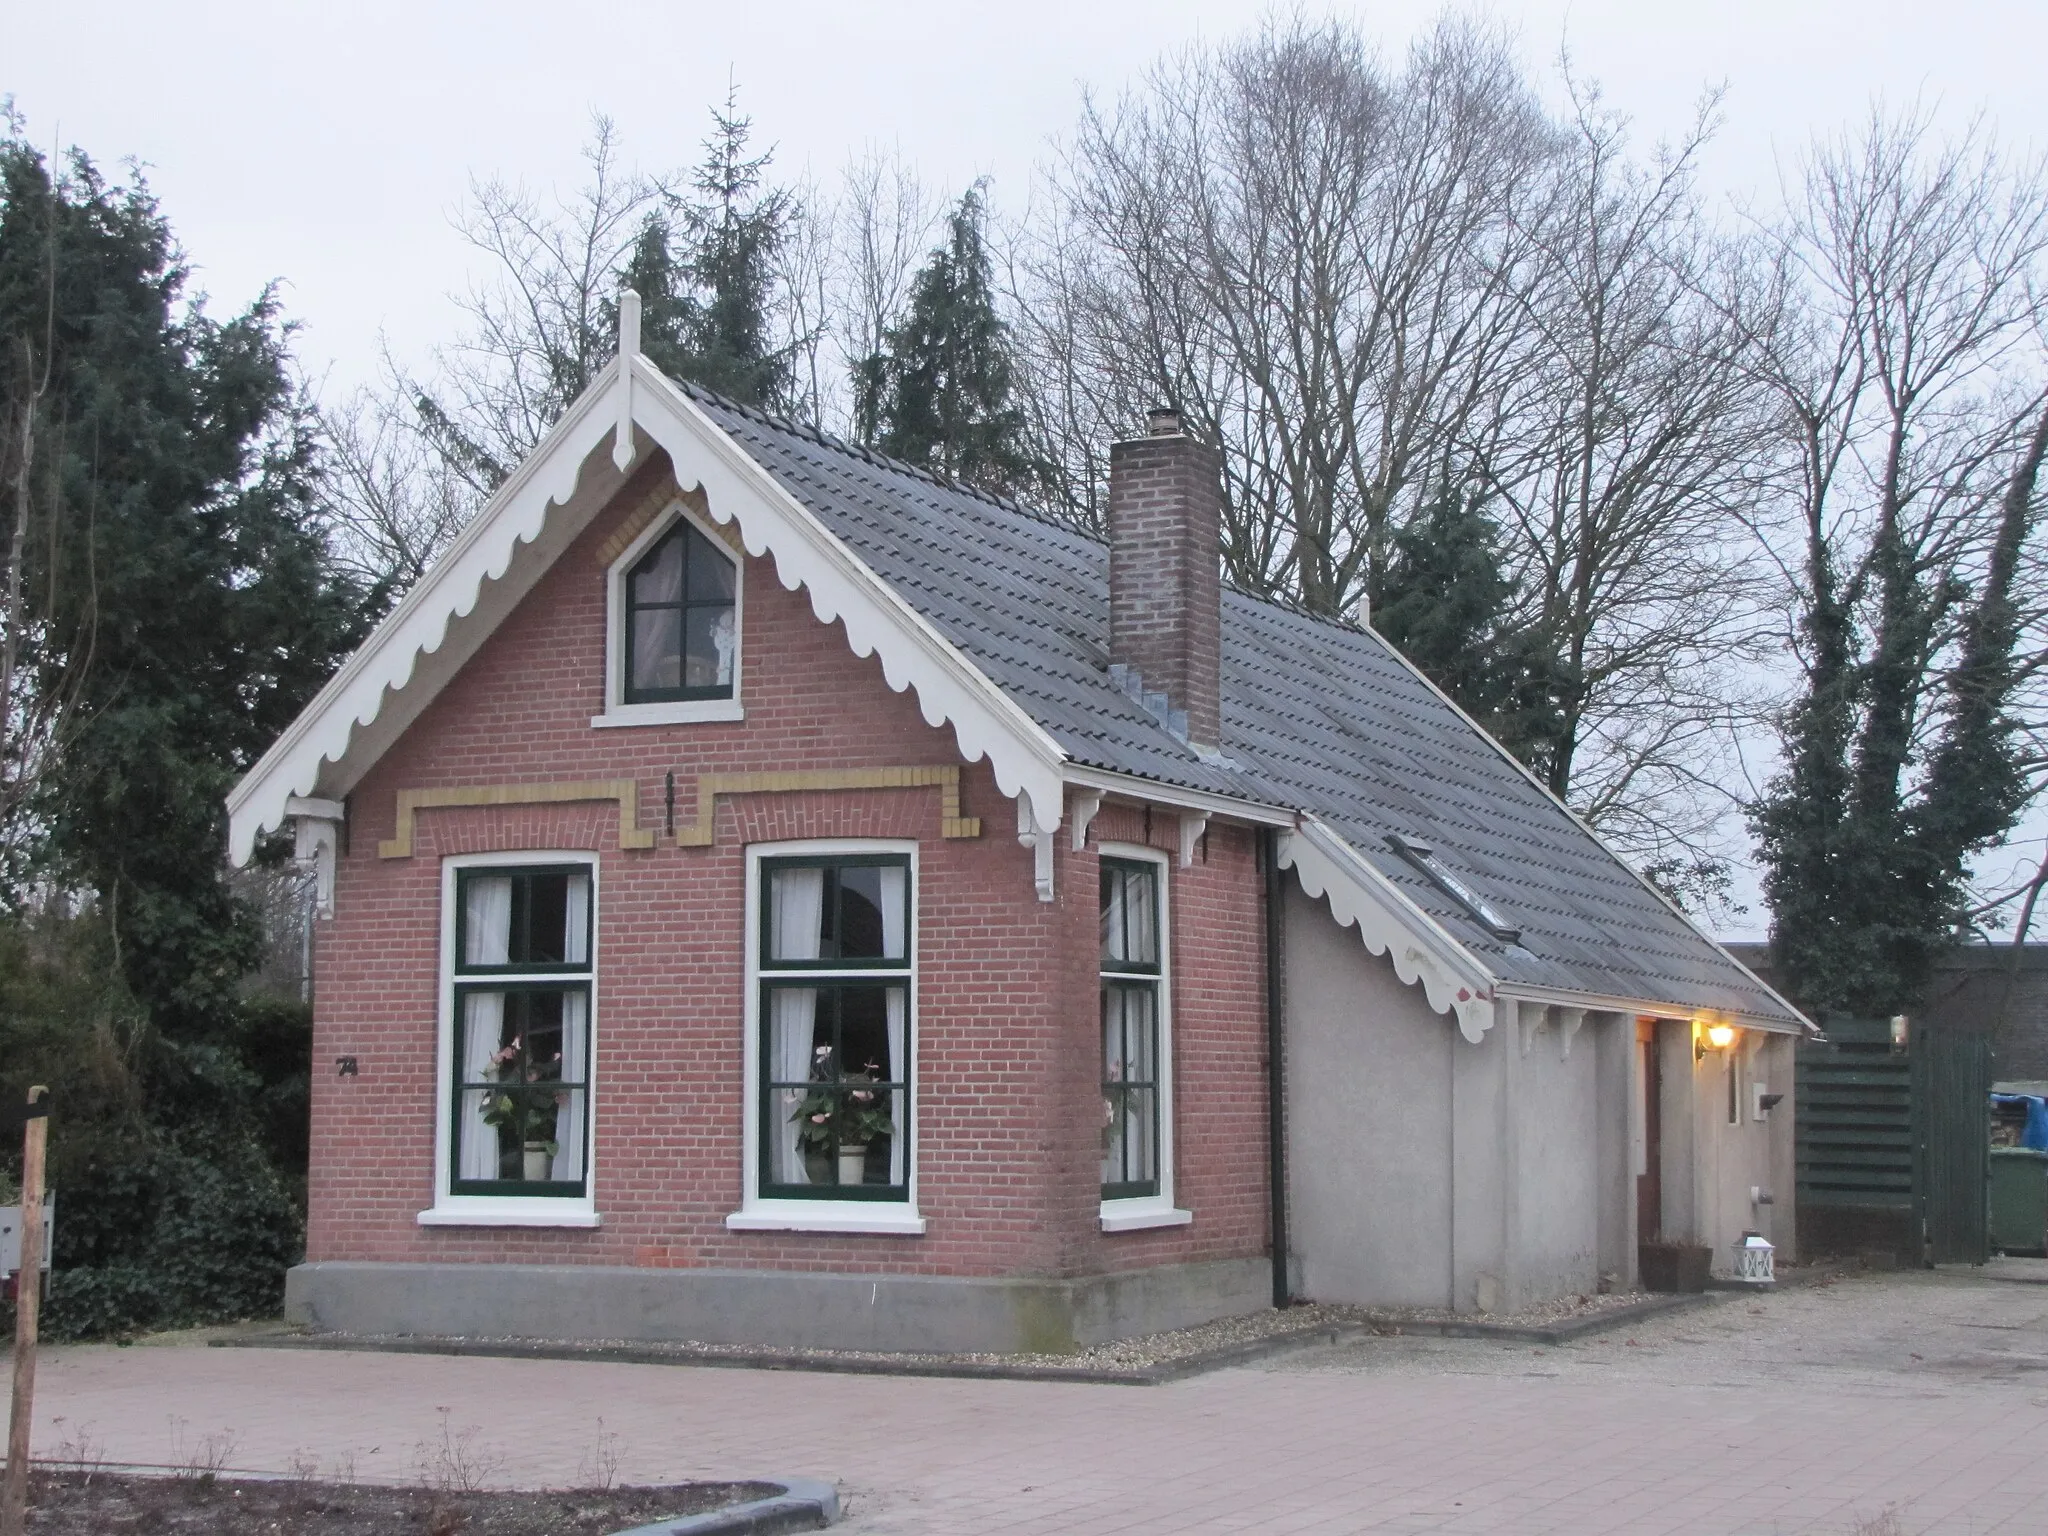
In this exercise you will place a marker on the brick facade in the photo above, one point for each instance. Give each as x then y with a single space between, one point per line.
1008 1105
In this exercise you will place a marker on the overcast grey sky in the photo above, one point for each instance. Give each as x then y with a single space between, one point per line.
325 146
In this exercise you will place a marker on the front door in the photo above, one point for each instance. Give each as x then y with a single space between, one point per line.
1650 1182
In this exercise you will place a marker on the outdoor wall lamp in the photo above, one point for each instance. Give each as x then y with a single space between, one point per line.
1719 1036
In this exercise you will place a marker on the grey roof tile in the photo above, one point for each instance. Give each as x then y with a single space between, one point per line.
1317 716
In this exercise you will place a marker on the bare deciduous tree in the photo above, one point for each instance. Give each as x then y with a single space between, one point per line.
886 218
537 331
1382 287
1907 354
1629 456
395 503
1312 257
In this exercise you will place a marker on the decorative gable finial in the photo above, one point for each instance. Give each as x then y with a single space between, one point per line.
629 349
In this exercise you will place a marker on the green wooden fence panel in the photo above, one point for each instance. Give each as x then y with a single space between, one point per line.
1905 1131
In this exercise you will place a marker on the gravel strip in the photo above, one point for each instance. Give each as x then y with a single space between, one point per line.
1152 1358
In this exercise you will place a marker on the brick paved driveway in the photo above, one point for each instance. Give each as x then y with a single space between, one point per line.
1889 1404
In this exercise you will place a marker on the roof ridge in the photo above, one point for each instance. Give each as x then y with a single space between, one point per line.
812 432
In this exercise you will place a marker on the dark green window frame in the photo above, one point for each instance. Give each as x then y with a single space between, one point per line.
699 546
1118 978
832 978
515 978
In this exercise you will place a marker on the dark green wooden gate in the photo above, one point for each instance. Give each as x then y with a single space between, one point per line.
1952 1124
1894 1143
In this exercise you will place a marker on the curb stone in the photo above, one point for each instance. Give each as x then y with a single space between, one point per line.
1546 1333
805 1504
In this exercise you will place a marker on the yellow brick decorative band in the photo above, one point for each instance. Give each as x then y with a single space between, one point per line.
711 785
651 507
625 791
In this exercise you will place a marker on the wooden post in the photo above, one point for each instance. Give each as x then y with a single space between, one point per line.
28 1298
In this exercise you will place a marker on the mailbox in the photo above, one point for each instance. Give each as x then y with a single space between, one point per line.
10 1234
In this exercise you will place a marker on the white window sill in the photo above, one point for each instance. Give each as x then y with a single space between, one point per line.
486 1212
1142 1215
683 712
856 1216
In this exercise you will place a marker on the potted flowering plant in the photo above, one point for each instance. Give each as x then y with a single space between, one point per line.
843 1114
525 1102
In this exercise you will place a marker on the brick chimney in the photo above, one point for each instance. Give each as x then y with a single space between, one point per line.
1165 593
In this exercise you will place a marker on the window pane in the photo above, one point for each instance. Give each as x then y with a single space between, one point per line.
520 1102
832 1105
797 1030
657 649
1112 1137
711 573
796 914
486 919
1129 1034
1130 1072
1130 914
708 662
543 937
860 912
1141 1156
658 578
863 1033
489 1151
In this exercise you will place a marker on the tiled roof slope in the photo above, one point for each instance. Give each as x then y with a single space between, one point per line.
1317 717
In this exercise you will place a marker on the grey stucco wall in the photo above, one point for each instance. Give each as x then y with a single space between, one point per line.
1369 1145
1425 1170
1557 1163
1710 1166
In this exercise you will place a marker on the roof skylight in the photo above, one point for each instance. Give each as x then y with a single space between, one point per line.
1455 886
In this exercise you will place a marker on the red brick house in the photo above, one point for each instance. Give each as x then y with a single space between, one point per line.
769 895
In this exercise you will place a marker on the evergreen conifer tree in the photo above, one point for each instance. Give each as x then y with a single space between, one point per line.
736 232
183 590
1445 603
706 270
940 394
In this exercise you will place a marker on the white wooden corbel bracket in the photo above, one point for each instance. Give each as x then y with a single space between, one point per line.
1039 840
1086 803
1192 825
1530 1019
1569 1022
316 842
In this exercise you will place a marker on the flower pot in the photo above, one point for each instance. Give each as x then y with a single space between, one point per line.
538 1161
853 1165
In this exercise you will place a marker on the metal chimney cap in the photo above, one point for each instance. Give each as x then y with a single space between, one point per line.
1163 421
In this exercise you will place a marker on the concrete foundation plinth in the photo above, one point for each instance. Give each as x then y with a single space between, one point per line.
770 1308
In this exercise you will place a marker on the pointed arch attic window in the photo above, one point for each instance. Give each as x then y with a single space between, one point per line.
680 640
673 650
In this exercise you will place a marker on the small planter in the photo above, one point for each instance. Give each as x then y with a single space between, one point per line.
539 1162
1675 1267
853 1165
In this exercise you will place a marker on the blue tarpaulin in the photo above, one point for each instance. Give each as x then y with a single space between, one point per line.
2036 1133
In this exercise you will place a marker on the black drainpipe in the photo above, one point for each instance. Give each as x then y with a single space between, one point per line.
1276 1121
